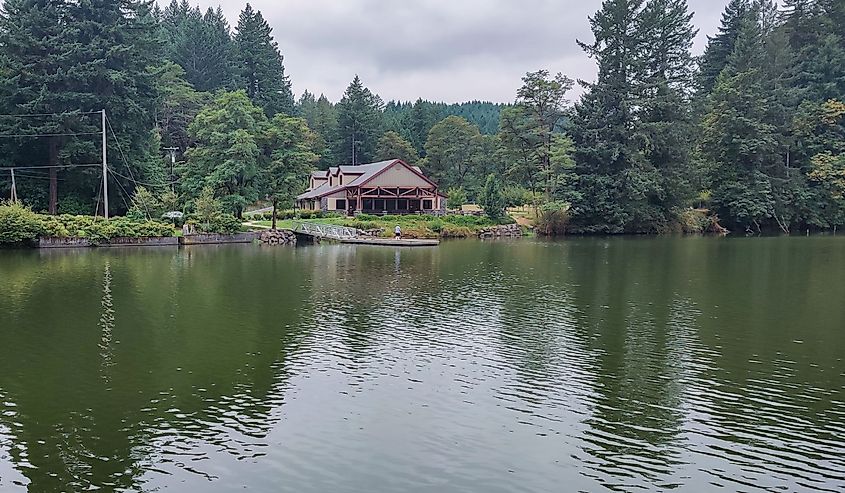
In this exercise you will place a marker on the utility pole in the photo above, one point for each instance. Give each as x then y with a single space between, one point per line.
172 163
14 190
105 173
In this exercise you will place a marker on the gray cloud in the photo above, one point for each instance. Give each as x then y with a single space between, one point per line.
443 50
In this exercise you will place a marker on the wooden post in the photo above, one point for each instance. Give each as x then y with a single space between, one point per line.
14 189
105 173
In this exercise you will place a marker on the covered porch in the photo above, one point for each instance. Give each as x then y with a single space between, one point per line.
398 200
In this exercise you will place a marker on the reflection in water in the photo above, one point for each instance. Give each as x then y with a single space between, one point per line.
106 323
621 364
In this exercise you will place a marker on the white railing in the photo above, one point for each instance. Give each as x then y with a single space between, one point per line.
326 231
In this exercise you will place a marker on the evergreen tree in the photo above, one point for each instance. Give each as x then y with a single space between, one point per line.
359 125
202 46
176 106
614 178
227 155
33 35
112 46
721 46
492 199
321 116
260 65
290 143
738 137
665 121
391 145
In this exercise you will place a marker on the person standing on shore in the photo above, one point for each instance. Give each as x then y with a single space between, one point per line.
397 232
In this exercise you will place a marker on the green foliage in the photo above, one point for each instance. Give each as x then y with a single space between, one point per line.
391 145
199 44
73 204
18 224
359 125
227 156
98 229
453 153
321 116
291 160
492 199
517 196
553 219
260 65
457 197
529 136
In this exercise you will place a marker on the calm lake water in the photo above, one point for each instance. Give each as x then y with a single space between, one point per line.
579 365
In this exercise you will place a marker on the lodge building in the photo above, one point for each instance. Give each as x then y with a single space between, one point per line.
385 187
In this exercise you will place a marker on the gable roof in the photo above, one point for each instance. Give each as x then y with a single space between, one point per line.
365 172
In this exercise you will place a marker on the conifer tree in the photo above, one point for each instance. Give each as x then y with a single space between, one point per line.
260 65
321 116
359 125
613 175
738 137
720 46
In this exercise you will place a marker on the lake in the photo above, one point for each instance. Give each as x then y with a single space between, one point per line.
514 366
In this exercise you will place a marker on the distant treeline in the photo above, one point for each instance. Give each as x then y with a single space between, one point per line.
752 132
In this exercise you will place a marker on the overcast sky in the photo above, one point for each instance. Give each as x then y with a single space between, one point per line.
441 50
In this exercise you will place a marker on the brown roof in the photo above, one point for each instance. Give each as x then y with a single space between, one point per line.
366 173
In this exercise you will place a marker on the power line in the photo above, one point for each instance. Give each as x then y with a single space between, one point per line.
136 182
120 149
36 115
46 166
68 134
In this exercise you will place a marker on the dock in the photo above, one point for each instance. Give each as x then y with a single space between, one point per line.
405 242
347 235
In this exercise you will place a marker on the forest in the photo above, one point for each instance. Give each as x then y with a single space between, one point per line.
749 135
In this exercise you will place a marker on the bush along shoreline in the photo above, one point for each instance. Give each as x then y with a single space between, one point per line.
21 227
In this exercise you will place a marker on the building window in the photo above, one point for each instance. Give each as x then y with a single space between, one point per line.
390 205
402 204
368 204
379 204
340 204
427 204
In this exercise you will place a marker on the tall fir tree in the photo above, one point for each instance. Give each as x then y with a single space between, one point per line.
321 116
260 64
613 175
359 125
68 58
721 46
665 114
738 136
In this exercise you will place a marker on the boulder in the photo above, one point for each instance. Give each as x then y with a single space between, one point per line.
502 231
278 237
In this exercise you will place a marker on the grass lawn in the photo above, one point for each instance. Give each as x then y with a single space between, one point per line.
413 226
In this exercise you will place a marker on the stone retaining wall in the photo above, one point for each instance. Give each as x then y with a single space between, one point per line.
57 242
503 231
278 237
145 241
213 239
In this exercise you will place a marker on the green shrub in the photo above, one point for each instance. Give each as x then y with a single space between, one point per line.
553 219
71 204
450 231
18 224
98 229
225 224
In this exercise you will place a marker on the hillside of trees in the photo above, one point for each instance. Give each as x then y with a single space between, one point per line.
752 132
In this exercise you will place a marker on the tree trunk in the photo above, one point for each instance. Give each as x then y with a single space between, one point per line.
275 203
53 205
